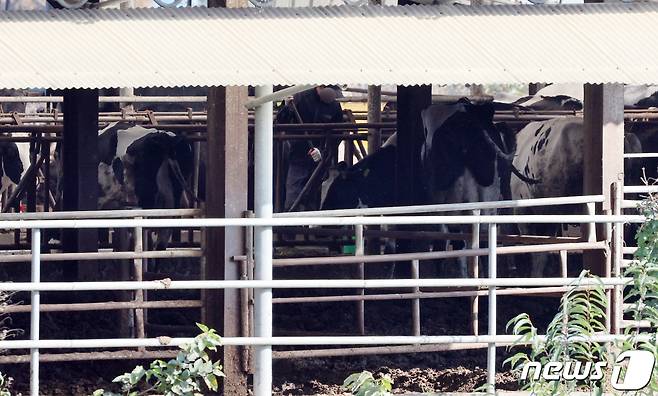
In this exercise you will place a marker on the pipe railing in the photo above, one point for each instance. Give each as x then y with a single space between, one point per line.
399 210
266 341
319 221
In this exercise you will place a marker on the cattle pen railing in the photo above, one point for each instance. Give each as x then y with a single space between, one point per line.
491 284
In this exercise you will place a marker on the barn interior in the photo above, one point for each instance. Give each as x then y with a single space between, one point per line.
239 172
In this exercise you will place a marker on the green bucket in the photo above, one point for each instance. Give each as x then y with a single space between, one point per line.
349 249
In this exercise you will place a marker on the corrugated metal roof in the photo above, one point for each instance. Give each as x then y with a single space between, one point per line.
596 43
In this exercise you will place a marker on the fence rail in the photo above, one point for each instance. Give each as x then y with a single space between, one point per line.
492 286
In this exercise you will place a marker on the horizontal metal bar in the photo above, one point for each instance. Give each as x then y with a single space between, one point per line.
168 284
425 235
105 306
365 351
80 356
641 155
629 249
301 341
635 323
278 95
421 295
398 210
630 203
305 221
641 189
108 99
163 254
385 258
99 214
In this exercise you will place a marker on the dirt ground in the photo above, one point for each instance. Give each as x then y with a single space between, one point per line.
454 371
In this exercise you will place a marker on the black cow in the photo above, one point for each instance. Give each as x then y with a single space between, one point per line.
368 183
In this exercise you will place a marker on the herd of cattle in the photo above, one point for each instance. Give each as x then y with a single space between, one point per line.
465 157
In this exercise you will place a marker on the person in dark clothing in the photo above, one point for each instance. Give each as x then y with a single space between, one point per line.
316 105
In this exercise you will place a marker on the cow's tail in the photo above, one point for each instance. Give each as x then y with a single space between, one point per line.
178 174
508 158
523 177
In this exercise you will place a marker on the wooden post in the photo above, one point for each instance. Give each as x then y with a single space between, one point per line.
374 116
80 166
603 164
226 196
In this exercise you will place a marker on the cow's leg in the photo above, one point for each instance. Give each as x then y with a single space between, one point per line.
389 247
460 269
541 261
164 199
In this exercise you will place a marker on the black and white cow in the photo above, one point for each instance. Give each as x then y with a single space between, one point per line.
461 159
13 164
144 168
464 158
552 152
571 97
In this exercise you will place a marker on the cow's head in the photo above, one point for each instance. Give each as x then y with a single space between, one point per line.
457 137
368 183
342 188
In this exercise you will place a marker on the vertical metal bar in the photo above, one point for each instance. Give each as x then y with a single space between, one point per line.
360 305
246 294
617 253
564 257
475 273
348 154
120 243
491 350
591 227
138 269
263 153
34 313
46 176
146 263
607 271
415 303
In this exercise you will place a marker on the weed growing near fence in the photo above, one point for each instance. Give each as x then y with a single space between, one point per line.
183 376
583 313
5 382
364 384
641 295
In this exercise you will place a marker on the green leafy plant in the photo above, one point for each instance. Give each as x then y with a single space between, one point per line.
5 332
641 296
364 384
183 376
582 314
5 382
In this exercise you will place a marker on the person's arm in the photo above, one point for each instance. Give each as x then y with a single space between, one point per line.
285 115
338 114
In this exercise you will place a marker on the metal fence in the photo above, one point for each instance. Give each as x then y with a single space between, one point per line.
490 286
